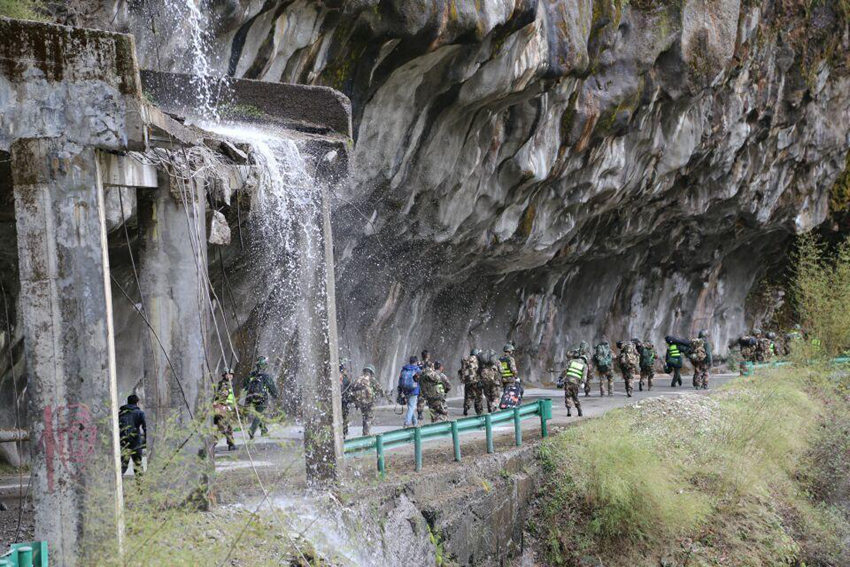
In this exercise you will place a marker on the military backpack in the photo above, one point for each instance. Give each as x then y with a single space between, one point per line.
697 351
603 357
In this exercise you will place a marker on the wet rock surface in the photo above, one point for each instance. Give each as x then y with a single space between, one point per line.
551 172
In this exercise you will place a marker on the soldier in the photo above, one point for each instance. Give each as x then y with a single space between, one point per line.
224 405
345 394
762 347
574 377
488 371
472 392
584 350
700 355
365 390
628 361
258 385
647 354
507 366
427 363
604 362
771 336
435 385
674 361
131 422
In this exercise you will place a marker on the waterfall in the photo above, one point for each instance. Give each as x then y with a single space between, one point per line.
286 253
187 16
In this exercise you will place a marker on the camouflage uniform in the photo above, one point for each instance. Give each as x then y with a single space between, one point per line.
604 371
574 377
364 393
628 360
472 392
346 396
258 386
223 408
426 364
508 370
584 350
434 386
647 364
490 384
700 366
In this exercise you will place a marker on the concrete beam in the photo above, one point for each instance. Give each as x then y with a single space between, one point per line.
124 171
300 107
173 258
66 309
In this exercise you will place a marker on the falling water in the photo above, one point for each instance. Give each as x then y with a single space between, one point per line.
187 15
286 251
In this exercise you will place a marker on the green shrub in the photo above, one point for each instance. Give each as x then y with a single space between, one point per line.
22 9
821 291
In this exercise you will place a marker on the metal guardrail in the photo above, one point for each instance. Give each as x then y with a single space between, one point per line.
25 555
416 435
749 367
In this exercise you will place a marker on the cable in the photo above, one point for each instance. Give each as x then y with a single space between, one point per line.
161 346
20 443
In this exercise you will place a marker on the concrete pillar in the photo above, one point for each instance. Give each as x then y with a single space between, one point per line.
176 380
317 336
66 308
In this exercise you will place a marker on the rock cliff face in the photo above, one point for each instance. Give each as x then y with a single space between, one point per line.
548 171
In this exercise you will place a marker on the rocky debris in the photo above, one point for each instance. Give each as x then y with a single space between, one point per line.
219 230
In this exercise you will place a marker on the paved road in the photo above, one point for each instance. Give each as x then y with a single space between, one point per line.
282 447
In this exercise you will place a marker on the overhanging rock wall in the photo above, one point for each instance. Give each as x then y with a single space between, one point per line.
556 171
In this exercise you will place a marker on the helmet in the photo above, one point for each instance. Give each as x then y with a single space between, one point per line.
668 339
262 361
413 360
619 344
369 368
438 364
425 354
702 333
475 352
771 335
756 331
509 347
343 360
583 345
797 327
225 371
635 340
647 341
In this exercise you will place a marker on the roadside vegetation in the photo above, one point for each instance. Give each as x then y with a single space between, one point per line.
22 9
755 473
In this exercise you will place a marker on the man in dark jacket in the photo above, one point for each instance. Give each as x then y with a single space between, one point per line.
131 422
258 385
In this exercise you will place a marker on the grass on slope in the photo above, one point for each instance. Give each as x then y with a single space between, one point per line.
740 477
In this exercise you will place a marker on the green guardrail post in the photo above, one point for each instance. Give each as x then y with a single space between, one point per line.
544 428
517 428
379 449
488 429
25 556
456 441
417 448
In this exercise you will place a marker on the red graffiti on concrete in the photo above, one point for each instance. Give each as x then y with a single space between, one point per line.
68 438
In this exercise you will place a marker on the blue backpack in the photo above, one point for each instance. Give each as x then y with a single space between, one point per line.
407 381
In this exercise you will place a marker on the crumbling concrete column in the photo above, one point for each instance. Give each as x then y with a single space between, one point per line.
317 335
172 263
66 307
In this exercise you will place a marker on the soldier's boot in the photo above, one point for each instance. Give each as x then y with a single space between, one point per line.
569 414
579 412
640 386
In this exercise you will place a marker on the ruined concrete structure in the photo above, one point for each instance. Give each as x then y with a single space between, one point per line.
114 215
551 171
